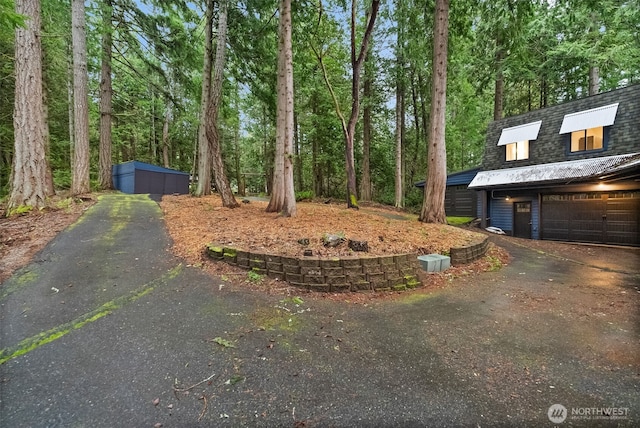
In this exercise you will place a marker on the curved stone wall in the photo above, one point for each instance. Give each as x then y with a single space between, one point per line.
379 273
469 253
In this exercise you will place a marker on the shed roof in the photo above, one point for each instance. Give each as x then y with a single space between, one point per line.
129 167
557 172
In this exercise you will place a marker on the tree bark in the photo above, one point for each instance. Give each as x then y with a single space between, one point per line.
213 135
106 94
399 122
165 135
356 67
498 95
435 185
29 167
283 198
594 80
80 183
365 181
204 159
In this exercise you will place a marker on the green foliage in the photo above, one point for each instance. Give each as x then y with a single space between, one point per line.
9 20
304 195
19 210
224 342
255 277
548 48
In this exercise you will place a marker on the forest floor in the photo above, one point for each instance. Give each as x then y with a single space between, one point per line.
194 223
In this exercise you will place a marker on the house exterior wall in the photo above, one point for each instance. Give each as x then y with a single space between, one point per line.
550 146
502 212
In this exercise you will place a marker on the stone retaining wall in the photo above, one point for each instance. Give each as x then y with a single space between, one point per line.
396 272
469 253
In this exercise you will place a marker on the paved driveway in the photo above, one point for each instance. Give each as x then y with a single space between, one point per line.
106 328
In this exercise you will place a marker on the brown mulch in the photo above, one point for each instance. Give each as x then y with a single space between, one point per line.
195 222
22 236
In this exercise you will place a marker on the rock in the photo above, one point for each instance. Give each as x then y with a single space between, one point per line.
308 253
332 240
358 245
303 241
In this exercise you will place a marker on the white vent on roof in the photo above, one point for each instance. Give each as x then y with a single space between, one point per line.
587 119
526 132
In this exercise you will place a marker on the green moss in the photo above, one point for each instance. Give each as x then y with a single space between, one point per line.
456 221
417 297
34 342
354 200
277 319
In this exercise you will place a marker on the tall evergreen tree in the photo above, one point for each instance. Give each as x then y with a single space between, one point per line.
80 183
211 119
106 96
30 165
436 182
283 196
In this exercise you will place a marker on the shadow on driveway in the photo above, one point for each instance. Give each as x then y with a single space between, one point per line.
107 328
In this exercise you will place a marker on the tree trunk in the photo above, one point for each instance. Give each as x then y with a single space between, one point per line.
498 96
283 198
297 145
204 159
213 135
594 80
315 152
29 168
356 67
365 181
435 185
72 143
165 136
80 183
106 93
399 122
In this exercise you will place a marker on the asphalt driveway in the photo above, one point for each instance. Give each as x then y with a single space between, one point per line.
107 328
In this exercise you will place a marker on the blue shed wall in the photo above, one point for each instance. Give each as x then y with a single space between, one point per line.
139 177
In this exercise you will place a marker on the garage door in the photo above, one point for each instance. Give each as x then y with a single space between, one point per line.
611 218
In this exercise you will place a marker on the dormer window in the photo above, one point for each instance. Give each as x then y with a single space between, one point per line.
588 128
587 139
516 140
518 150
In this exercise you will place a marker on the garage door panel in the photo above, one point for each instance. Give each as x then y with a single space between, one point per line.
612 218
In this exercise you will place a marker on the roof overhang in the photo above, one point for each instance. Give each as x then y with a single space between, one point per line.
557 172
526 132
586 119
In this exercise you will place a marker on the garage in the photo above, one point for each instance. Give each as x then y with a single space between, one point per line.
597 217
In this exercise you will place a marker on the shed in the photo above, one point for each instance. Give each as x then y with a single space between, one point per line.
459 200
141 177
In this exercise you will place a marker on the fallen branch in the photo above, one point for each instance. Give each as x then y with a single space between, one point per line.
192 386
204 408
